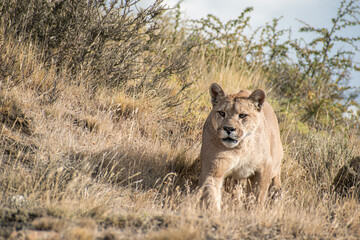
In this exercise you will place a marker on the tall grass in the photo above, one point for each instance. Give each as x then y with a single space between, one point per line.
89 155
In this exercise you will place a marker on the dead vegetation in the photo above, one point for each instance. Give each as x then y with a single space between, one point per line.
347 179
83 159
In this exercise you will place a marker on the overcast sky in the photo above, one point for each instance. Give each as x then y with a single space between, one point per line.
317 13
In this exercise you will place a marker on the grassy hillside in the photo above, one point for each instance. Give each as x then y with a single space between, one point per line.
102 111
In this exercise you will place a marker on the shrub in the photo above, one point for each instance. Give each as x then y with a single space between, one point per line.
109 42
324 69
312 76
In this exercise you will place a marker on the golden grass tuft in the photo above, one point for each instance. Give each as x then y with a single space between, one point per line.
176 234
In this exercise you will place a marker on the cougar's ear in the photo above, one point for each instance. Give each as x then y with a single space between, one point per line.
216 93
258 97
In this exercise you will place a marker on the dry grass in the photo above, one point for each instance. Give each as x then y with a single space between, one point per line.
79 164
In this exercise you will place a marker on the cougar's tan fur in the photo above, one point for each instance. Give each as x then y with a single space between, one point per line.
241 139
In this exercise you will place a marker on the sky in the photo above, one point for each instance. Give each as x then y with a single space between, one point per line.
317 13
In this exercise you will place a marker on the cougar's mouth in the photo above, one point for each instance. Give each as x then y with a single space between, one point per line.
229 140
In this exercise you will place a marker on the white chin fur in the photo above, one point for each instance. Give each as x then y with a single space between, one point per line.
229 144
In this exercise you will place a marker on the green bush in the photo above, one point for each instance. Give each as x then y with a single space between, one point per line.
112 42
311 76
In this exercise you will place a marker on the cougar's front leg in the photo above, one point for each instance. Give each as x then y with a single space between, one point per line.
258 184
211 193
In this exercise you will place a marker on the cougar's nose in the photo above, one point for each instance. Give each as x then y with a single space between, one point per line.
229 129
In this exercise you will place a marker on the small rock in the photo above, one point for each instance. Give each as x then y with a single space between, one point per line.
18 201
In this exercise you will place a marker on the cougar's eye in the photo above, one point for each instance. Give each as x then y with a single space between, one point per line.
221 113
242 115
